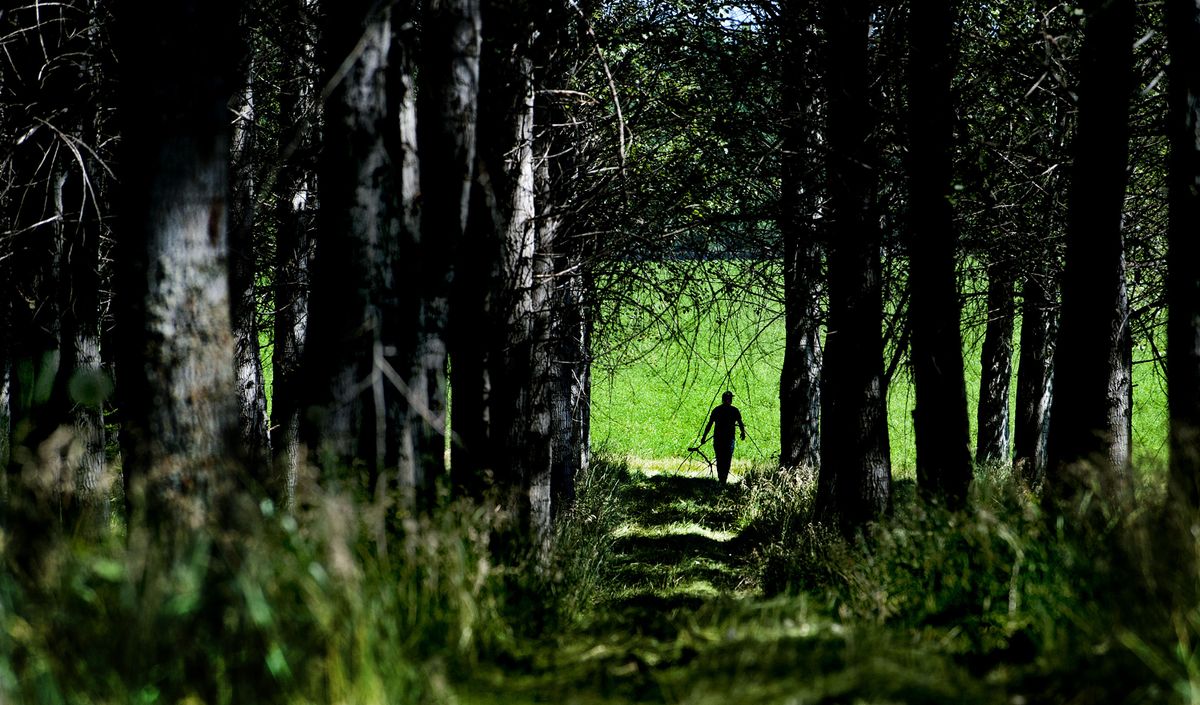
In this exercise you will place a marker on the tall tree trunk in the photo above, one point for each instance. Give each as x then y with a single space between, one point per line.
995 358
800 380
855 478
295 207
87 504
502 223
178 403
1034 377
407 457
1088 443
473 330
446 111
243 274
345 416
940 417
564 254
1183 331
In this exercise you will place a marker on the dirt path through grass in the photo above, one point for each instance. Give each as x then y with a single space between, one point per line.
681 620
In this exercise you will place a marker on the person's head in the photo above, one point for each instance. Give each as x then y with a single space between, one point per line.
727 398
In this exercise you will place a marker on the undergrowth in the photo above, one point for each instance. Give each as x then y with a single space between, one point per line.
295 608
661 587
1045 607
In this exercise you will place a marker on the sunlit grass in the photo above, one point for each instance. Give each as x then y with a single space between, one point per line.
655 408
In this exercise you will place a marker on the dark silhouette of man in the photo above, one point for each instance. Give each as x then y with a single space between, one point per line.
724 417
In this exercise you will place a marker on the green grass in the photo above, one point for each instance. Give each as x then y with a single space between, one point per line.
653 400
661 587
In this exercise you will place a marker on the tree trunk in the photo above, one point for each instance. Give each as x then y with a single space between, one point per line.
86 505
1034 377
472 332
344 416
995 359
1183 331
854 484
295 207
565 253
179 409
446 132
516 409
411 390
800 381
940 417
1088 443
243 274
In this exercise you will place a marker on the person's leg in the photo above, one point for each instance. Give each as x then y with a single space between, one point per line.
724 453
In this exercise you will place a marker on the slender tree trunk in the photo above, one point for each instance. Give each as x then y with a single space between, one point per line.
1034 377
411 410
1088 443
855 479
344 416
243 274
473 330
179 409
446 110
502 222
564 255
940 417
1183 341
87 504
800 381
995 358
295 207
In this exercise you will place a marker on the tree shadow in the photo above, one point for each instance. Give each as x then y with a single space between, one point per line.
669 499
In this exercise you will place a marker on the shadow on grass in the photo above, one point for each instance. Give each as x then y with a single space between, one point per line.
669 499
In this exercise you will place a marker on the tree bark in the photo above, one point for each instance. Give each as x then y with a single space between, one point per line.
854 484
800 380
344 415
515 427
1089 440
940 416
1034 377
411 389
446 108
295 208
1183 327
86 505
243 274
179 409
995 359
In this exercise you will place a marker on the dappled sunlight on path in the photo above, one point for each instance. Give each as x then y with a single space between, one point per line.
680 618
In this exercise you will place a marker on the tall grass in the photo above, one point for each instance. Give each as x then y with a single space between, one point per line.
290 608
1043 607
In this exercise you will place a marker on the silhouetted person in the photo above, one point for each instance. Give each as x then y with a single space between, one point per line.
724 417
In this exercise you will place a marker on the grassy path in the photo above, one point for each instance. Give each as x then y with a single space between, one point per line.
680 619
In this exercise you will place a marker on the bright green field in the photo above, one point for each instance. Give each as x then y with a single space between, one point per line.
655 406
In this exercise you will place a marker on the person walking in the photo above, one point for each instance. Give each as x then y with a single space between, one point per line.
724 418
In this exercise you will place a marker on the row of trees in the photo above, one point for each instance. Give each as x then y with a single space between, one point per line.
1081 440
377 188
384 189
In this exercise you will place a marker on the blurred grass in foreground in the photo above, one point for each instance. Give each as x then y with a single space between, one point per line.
661 586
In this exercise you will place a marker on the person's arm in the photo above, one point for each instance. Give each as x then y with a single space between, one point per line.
739 423
704 436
